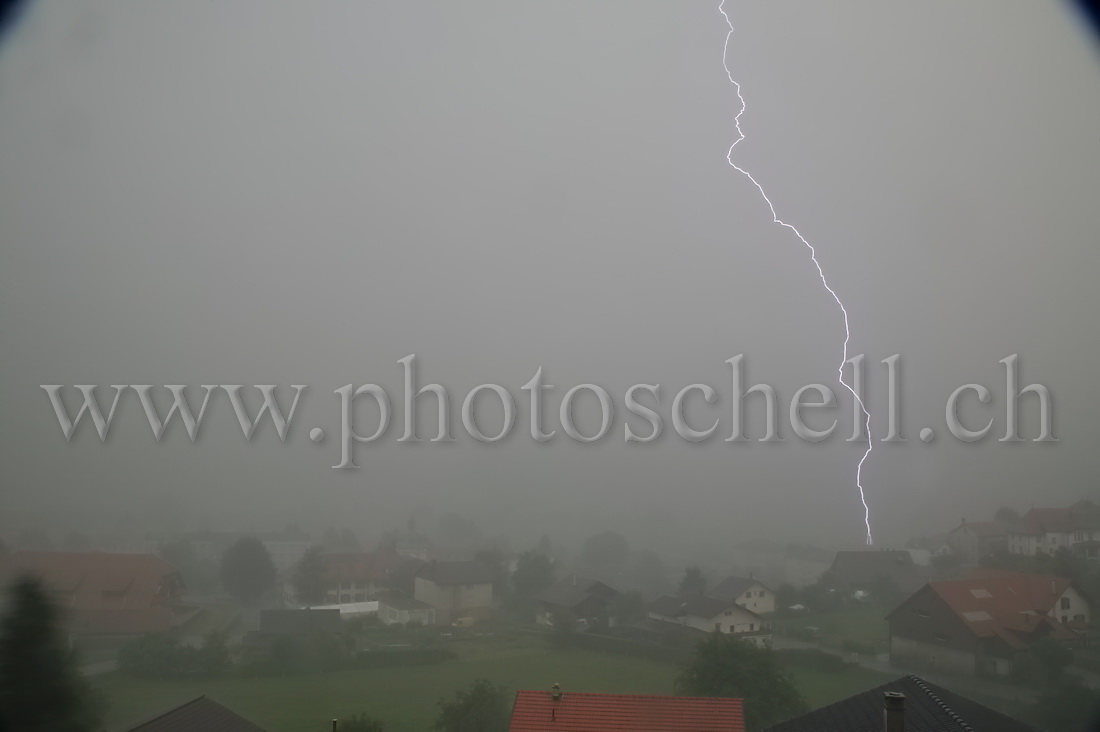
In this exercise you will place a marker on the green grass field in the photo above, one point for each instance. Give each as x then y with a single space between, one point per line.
865 625
405 697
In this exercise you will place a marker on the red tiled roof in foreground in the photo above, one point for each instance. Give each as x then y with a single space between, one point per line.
538 711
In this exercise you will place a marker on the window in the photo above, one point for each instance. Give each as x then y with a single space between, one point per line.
1065 603
760 593
1079 536
748 594
752 626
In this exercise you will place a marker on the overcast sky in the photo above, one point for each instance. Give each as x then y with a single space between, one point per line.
297 193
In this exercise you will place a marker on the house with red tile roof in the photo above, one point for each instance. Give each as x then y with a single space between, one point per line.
1076 528
568 711
982 624
104 594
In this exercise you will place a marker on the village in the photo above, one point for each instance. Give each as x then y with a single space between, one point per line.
997 613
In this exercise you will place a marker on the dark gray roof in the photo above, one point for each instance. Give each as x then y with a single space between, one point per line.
928 708
733 587
292 622
697 605
198 715
456 573
573 590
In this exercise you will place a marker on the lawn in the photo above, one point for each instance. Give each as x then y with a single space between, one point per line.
864 625
404 697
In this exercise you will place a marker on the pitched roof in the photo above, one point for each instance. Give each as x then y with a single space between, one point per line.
538 711
201 714
572 591
983 529
94 580
1081 515
102 593
700 606
1044 520
928 708
733 587
1003 604
456 573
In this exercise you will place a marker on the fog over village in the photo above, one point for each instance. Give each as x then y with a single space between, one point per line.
259 230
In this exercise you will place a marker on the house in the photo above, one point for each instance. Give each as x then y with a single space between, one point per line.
709 614
104 594
866 569
454 589
201 714
577 597
558 711
981 624
748 592
974 539
1049 529
908 703
398 608
357 576
923 549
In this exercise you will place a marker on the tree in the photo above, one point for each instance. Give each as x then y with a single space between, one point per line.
1052 656
309 577
483 707
1006 516
693 582
608 550
361 723
247 571
534 572
729 667
41 689
648 573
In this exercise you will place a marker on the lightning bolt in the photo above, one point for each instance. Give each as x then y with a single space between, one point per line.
820 272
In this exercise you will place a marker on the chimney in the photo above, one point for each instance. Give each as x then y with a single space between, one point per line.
893 711
555 692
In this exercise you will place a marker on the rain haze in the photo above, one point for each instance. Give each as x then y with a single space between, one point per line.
304 194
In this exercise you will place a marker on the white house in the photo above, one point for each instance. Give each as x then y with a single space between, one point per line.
748 592
710 614
1049 529
455 589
